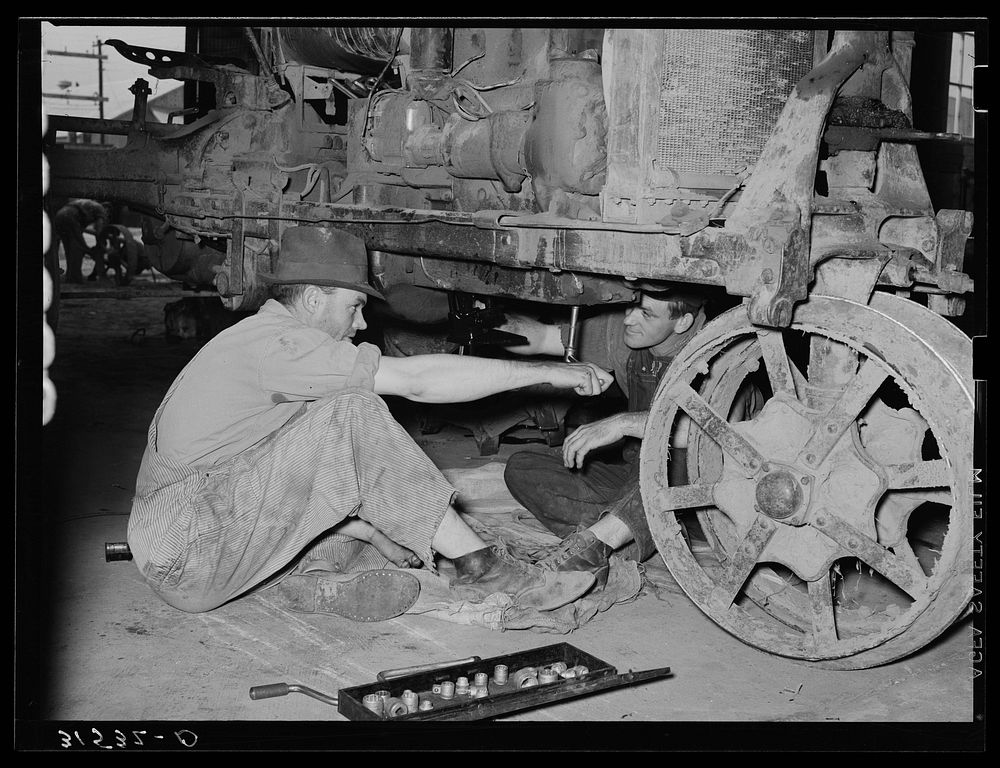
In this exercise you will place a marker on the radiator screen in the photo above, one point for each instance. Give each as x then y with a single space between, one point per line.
722 93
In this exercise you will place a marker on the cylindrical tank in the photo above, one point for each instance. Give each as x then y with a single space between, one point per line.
363 50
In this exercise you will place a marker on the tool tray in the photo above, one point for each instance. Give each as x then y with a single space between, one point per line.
500 699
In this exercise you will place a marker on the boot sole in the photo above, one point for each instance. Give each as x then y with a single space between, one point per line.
370 596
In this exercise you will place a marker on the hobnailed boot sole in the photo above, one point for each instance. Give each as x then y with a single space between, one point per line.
370 596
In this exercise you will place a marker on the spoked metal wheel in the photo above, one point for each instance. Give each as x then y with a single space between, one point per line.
835 524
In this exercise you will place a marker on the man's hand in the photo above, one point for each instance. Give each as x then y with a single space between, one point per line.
542 339
598 434
583 378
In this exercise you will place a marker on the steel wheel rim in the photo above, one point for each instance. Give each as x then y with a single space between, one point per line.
949 586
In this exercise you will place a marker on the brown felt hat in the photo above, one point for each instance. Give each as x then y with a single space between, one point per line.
319 255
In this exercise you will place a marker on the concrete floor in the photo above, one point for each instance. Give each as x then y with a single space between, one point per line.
109 652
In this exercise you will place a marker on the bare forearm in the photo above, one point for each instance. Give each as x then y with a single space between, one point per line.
632 423
598 434
458 378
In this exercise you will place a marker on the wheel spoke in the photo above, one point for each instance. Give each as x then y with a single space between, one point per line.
682 497
744 559
720 430
869 551
781 371
905 553
824 623
920 474
844 412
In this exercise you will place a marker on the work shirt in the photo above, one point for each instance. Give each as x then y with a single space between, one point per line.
250 380
601 340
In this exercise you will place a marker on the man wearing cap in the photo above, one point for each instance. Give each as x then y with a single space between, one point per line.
272 462
595 504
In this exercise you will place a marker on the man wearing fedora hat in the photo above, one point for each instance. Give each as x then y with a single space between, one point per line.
272 462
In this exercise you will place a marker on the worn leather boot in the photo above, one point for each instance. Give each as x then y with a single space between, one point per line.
580 551
493 569
368 596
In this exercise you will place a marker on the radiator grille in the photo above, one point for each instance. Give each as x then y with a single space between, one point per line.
722 93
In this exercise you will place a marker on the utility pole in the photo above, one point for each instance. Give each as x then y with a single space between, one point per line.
100 98
100 83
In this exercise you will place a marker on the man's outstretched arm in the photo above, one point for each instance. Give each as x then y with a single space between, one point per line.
460 378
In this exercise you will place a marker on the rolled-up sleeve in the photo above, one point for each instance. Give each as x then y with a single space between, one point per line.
306 364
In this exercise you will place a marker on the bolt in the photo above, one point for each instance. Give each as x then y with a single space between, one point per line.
852 543
831 427
804 480
767 276
810 458
821 521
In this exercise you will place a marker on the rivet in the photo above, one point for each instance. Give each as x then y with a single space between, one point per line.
804 480
810 458
820 521
852 543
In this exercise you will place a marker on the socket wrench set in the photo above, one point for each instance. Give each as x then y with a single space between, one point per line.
476 689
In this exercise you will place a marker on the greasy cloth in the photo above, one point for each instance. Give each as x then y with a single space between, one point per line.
500 612
201 538
500 522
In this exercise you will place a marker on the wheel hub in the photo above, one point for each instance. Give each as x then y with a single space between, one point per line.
791 494
779 494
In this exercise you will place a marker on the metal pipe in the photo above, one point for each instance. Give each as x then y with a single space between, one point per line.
389 674
574 322
95 125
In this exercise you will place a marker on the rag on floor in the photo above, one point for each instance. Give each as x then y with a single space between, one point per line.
502 523
500 612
